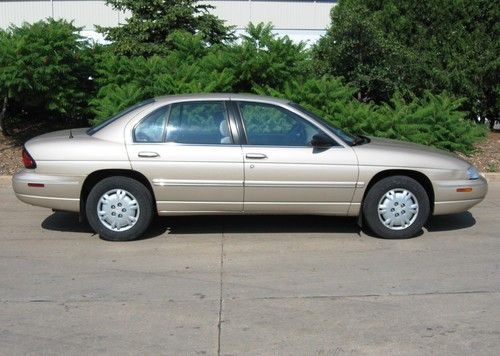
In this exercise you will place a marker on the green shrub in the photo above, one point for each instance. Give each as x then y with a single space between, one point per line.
261 59
432 120
44 71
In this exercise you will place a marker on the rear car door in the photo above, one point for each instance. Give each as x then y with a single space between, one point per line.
283 172
187 151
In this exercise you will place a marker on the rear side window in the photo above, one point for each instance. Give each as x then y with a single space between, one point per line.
199 122
102 125
152 127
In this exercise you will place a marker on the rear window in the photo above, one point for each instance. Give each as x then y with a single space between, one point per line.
122 113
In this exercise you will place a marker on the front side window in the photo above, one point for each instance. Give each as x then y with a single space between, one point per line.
272 125
151 128
200 122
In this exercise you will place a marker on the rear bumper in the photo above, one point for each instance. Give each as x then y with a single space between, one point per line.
449 201
57 192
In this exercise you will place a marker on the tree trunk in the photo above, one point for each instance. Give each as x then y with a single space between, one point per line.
3 116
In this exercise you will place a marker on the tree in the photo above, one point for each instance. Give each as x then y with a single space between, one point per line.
407 46
146 32
44 72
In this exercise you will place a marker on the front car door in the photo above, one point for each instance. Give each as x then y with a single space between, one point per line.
283 172
187 151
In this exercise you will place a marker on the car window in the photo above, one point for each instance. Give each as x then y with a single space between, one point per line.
199 123
151 128
344 136
267 124
122 113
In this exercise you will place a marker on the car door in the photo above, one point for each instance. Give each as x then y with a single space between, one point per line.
187 151
284 173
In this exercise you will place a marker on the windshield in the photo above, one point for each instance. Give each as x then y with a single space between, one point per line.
102 125
344 136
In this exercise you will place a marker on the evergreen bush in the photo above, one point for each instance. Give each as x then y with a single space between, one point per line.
44 71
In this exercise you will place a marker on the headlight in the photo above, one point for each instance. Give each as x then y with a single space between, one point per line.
472 173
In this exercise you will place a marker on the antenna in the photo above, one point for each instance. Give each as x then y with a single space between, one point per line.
70 133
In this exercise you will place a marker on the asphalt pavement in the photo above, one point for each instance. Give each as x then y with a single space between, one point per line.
249 285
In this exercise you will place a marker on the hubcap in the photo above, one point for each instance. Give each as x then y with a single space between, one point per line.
118 210
398 209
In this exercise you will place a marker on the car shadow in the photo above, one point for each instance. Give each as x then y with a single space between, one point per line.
253 224
450 222
259 224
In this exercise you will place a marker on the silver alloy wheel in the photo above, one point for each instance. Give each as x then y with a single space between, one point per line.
118 210
398 209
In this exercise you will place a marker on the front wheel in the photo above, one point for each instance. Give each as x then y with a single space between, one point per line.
119 208
396 207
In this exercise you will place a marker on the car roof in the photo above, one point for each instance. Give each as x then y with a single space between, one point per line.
221 96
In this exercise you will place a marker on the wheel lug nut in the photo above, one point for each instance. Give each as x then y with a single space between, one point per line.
112 206
392 209
119 204
113 213
402 212
119 215
124 210
397 214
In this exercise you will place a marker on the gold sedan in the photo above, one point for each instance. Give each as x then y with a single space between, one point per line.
239 154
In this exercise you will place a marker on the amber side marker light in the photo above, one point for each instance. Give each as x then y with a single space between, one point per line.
464 190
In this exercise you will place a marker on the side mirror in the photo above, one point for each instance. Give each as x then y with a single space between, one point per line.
322 141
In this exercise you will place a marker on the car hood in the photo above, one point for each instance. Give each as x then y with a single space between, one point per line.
394 153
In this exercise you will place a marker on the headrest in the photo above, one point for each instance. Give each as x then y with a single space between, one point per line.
223 128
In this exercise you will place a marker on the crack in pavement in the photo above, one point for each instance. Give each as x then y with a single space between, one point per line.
219 323
373 295
221 300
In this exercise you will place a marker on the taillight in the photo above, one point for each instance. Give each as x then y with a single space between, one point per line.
28 161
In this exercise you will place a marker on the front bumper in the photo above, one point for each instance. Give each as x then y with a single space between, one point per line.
49 191
455 196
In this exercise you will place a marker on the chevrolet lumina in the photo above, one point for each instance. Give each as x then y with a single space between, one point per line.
238 154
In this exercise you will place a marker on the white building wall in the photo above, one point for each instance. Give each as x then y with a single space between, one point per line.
307 19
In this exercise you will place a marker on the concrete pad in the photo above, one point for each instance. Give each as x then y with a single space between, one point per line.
248 285
108 328
437 324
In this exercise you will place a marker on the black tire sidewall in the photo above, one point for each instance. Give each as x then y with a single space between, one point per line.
372 198
138 190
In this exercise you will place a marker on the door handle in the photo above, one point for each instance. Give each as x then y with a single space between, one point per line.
148 154
256 156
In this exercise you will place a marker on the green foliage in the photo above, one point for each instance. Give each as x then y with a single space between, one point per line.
406 46
147 31
432 120
44 71
261 59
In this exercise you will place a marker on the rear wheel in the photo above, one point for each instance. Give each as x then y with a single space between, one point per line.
119 208
396 207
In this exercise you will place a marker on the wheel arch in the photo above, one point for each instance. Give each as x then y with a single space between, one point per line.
418 176
96 176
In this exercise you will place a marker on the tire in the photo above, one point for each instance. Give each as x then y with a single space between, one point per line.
126 206
393 195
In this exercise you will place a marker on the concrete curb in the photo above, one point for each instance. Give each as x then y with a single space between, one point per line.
492 177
